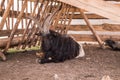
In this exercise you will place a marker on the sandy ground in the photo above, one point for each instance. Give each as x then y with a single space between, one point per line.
96 64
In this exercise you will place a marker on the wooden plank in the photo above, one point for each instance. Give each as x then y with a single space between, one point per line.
99 7
103 27
86 37
89 16
8 32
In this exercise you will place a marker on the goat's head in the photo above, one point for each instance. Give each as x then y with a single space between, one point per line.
108 41
46 23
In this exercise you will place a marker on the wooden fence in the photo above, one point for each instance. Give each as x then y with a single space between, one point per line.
17 30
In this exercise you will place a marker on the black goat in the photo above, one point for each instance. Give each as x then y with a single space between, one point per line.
112 44
58 48
55 46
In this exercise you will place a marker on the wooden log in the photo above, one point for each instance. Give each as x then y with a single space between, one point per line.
14 42
6 13
16 25
91 28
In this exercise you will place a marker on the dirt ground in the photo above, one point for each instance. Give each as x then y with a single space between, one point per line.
96 64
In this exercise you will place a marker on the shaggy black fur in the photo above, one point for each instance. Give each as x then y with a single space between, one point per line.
114 45
58 48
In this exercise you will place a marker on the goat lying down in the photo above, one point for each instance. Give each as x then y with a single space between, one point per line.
55 46
113 44
58 48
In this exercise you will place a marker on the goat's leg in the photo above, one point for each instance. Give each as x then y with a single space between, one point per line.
42 61
47 58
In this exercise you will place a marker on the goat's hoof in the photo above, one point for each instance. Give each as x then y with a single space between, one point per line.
40 61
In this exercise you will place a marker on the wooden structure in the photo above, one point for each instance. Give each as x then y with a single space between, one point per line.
17 30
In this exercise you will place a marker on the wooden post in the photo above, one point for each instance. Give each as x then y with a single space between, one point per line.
91 28
6 13
16 24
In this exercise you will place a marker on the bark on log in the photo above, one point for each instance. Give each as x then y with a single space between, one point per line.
14 42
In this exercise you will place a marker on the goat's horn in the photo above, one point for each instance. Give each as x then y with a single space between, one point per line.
36 21
48 20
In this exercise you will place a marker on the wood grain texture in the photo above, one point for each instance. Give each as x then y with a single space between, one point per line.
99 7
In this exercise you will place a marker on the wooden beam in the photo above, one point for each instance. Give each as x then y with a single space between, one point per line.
75 16
87 37
91 28
103 27
6 13
99 7
8 32
89 16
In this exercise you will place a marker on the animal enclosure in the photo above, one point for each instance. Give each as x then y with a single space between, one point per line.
83 23
83 20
